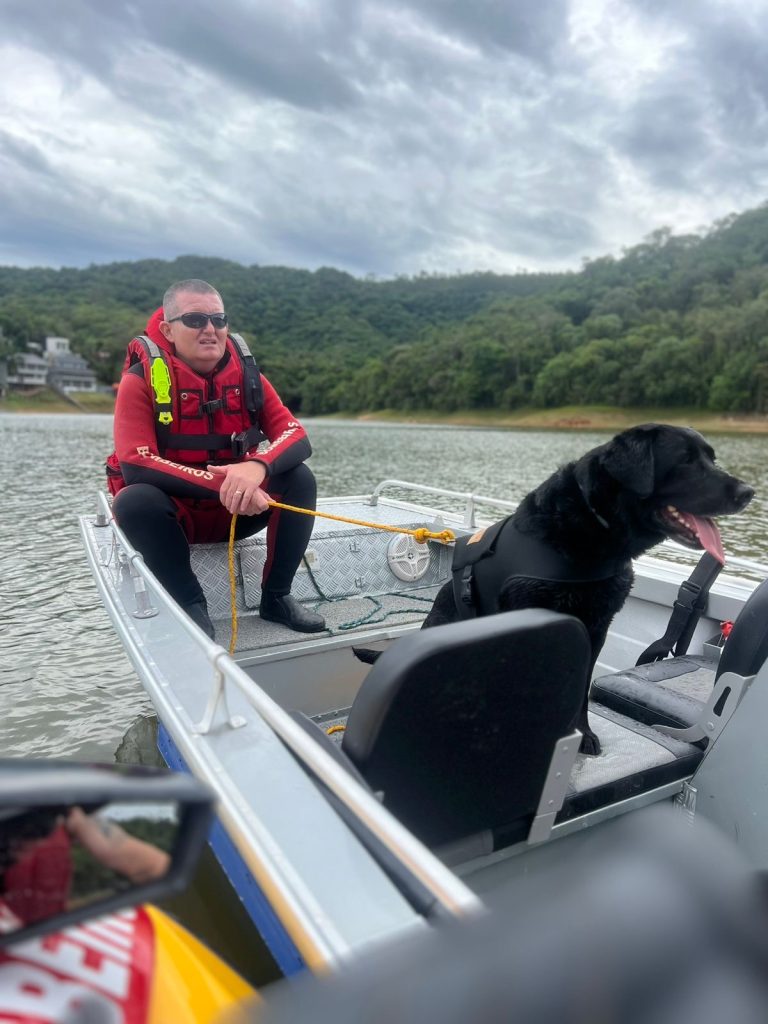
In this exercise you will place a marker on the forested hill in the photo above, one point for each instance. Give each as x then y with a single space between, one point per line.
678 320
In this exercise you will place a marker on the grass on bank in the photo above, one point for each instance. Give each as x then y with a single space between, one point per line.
575 417
593 417
46 400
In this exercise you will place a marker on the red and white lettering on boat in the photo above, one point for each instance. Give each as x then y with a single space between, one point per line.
109 962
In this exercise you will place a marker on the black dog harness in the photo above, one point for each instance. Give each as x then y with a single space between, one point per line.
478 577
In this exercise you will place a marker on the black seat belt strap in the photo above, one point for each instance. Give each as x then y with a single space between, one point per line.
690 602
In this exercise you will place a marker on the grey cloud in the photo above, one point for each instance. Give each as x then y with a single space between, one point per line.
46 230
665 132
706 112
721 62
531 30
18 154
250 46
554 233
374 135
86 32
733 66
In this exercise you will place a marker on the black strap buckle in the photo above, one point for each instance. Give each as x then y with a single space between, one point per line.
240 444
465 587
213 405
688 595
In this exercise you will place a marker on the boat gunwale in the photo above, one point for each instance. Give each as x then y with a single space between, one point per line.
305 921
296 900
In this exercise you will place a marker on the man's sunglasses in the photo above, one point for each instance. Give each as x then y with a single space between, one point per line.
199 320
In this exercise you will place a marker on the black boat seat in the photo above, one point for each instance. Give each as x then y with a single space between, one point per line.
635 760
456 725
455 728
674 692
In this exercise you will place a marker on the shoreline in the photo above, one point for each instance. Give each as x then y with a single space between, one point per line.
595 418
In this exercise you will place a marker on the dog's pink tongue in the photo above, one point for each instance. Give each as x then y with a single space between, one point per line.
708 534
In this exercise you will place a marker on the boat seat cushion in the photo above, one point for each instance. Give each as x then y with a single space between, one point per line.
635 759
671 692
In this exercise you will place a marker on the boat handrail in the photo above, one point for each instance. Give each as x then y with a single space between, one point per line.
442 883
470 500
135 560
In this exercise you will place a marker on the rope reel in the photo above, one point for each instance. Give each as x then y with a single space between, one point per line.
407 559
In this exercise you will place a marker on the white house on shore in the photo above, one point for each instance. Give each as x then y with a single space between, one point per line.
67 370
58 367
29 371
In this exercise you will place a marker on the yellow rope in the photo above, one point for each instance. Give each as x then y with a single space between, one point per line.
335 728
421 536
232 584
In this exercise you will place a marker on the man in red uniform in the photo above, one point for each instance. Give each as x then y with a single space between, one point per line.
187 428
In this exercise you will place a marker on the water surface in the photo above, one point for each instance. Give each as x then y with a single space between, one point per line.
67 689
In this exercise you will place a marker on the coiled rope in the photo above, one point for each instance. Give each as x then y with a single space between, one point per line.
420 535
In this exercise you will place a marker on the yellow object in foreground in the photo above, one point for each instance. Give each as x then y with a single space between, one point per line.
190 984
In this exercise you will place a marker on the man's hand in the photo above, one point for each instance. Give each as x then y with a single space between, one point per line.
240 491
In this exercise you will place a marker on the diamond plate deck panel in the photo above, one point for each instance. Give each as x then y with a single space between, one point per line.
344 560
344 564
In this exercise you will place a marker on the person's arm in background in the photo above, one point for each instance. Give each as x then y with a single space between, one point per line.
113 847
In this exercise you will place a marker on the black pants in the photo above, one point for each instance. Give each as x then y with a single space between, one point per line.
149 519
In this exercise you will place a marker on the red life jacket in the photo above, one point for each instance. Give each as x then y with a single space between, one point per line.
197 419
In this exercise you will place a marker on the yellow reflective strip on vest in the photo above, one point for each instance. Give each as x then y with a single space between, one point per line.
160 380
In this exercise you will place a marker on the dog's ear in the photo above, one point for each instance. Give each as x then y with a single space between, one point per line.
628 458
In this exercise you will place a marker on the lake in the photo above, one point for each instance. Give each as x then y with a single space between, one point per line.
66 688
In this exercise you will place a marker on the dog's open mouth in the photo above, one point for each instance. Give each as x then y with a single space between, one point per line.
693 531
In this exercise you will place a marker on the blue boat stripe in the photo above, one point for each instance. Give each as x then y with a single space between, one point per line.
268 924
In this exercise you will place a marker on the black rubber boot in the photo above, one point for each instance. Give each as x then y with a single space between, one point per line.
198 612
286 610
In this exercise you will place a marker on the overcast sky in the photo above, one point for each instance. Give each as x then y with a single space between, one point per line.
375 136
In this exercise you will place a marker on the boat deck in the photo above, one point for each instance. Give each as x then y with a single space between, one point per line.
359 578
342 615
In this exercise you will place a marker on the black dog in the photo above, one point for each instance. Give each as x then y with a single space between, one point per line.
570 544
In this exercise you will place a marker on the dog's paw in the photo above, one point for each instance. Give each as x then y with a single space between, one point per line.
590 744
365 654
